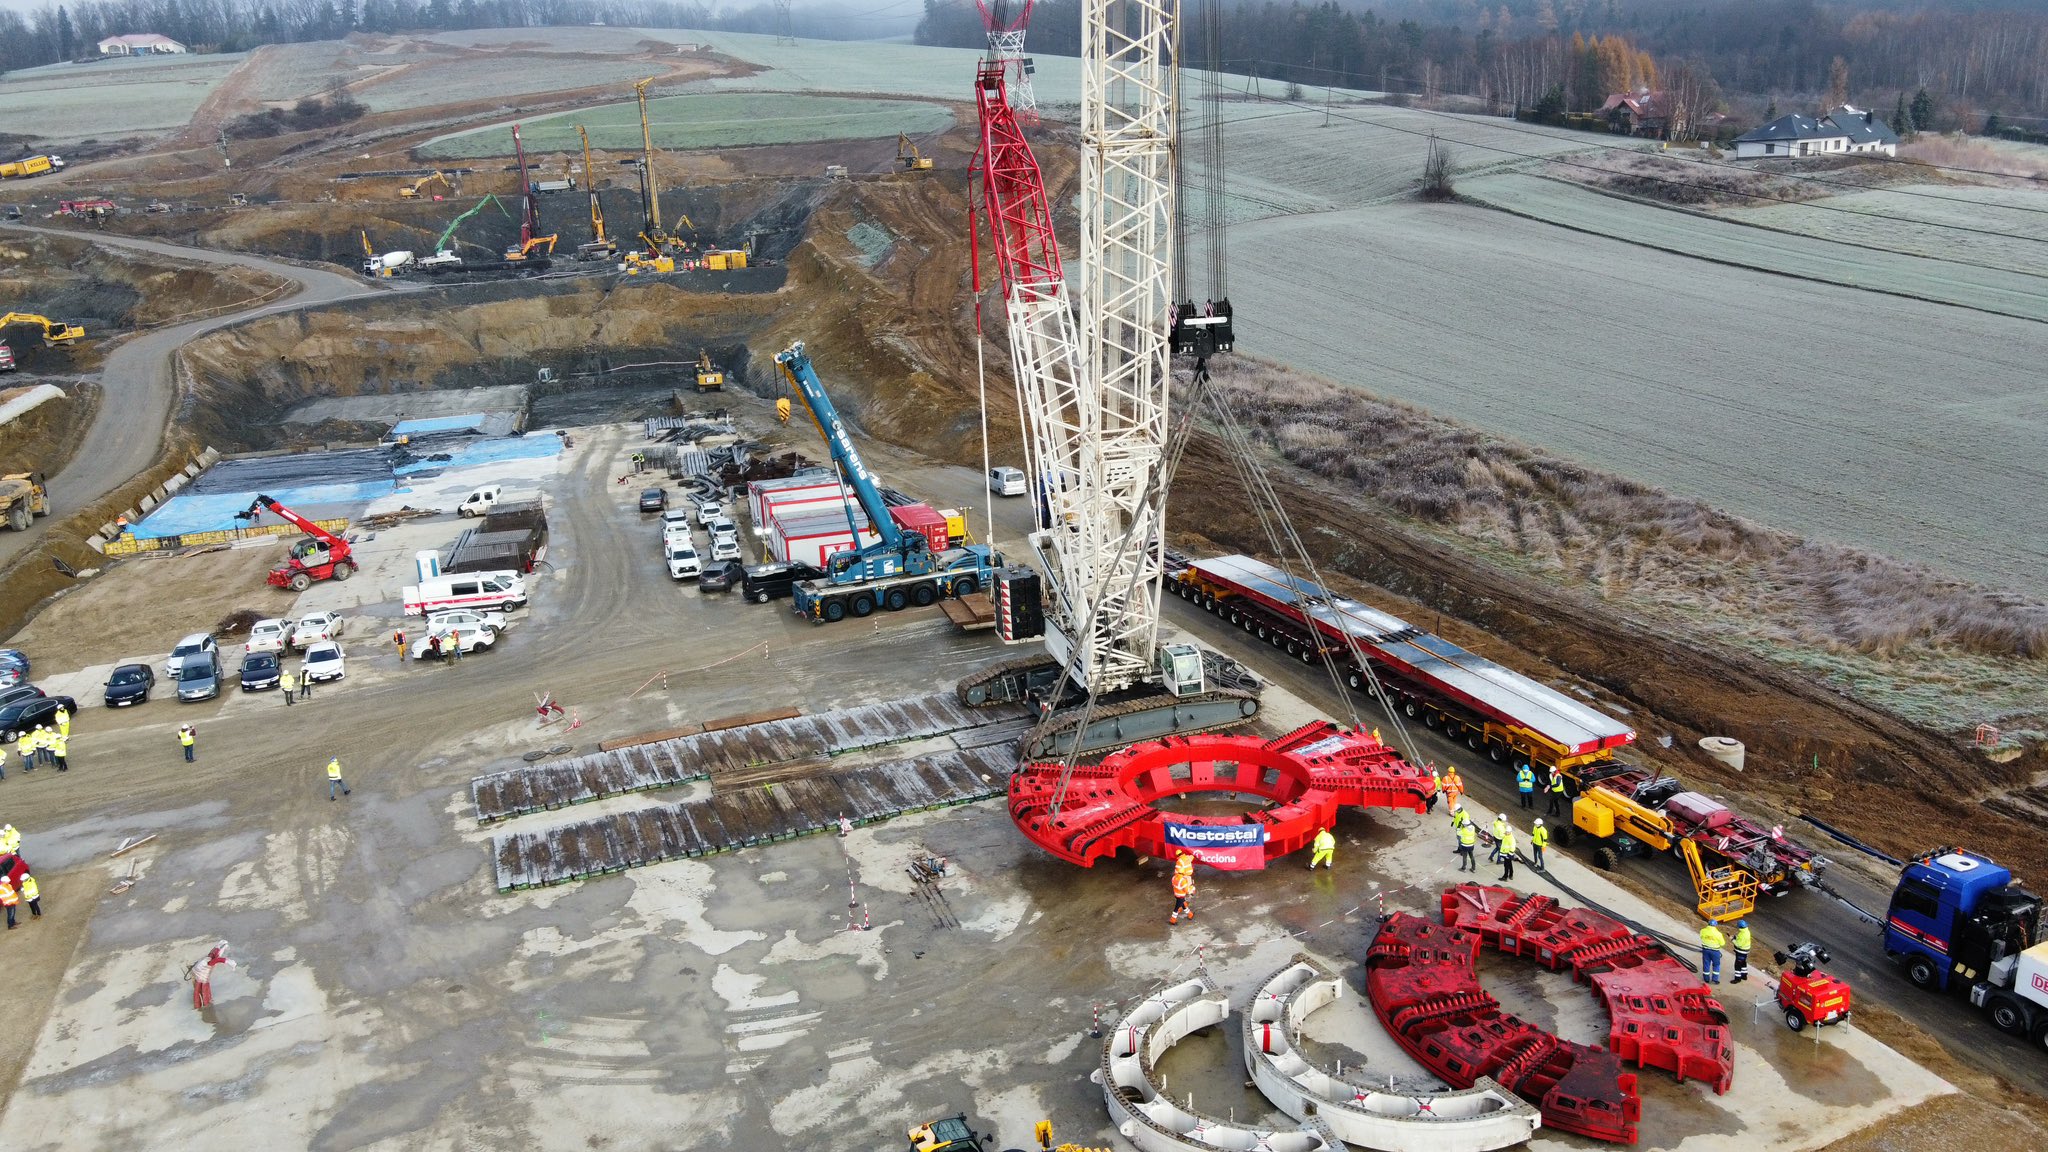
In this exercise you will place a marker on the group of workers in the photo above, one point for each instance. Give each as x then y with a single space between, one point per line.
17 884
1713 940
1502 835
43 744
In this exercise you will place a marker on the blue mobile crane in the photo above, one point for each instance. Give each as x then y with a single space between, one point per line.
1958 922
896 571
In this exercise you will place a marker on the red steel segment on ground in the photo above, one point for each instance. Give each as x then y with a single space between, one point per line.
1423 981
1662 1015
1306 775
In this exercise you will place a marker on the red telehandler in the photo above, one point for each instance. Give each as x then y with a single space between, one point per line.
318 555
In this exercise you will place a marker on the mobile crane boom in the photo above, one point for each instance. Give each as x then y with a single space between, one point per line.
796 366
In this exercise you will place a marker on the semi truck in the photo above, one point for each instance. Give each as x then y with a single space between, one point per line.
30 166
1958 923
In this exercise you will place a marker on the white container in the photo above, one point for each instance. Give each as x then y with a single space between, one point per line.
812 537
426 565
758 490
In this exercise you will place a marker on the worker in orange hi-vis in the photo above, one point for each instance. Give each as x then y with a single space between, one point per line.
1454 784
1183 887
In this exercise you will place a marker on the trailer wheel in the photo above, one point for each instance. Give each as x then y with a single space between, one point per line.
1309 653
863 604
1794 1020
1431 718
1356 681
1262 632
1474 740
1606 859
1408 709
1496 753
1920 970
1208 602
344 570
301 581
895 599
835 611
2008 1016
923 595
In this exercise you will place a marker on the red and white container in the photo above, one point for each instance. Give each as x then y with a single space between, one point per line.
921 519
759 491
813 536
802 502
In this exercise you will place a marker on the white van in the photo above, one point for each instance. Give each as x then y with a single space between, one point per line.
480 501
483 591
1006 481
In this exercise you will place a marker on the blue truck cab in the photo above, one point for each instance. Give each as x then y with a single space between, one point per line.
1957 920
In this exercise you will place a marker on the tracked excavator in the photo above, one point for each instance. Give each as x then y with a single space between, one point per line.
1093 383
55 332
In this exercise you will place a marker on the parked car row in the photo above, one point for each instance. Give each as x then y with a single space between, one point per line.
679 544
25 707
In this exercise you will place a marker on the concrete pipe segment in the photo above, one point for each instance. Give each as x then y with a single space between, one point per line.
1481 1118
1726 749
1146 1116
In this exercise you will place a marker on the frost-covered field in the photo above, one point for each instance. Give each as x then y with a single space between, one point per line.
1968 285
2000 227
114 98
710 120
462 81
1903 426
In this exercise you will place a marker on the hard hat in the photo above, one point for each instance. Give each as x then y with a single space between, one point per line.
1503 815
1539 822
1742 923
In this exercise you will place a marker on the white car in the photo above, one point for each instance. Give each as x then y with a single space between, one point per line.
683 563
1006 481
725 548
674 518
315 628
198 644
676 533
709 510
268 636
472 636
323 662
495 621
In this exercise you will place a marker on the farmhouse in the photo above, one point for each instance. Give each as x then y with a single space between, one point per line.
1639 113
1844 131
141 44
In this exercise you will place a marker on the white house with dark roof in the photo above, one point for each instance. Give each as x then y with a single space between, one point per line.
1845 131
141 44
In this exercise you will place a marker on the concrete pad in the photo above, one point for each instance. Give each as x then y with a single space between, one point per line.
397 406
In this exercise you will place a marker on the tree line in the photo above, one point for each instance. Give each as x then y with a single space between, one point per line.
1511 52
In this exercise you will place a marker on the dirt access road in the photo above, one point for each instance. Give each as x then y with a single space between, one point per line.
138 382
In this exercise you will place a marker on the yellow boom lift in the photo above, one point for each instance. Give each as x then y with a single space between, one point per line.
411 191
908 155
54 331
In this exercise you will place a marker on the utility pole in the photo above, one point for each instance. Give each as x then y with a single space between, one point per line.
1326 106
785 28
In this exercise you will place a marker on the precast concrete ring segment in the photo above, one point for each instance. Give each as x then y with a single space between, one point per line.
1146 1116
1481 1118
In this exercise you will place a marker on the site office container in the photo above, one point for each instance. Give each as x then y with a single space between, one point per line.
921 519
477 551
810 537
757 490
790 505
517 516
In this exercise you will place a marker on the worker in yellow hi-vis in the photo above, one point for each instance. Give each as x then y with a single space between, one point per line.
1325 848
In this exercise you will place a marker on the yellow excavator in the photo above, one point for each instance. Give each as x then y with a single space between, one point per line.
908 155
411 191
55 332
601 246
524 251
709 378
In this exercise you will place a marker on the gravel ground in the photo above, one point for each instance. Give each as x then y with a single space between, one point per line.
1874 420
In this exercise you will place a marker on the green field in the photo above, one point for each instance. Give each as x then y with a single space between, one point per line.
65 103
710 120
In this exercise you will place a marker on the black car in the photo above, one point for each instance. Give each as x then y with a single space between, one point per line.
130 684
765 582
259 671
653 499
721 576
26 715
